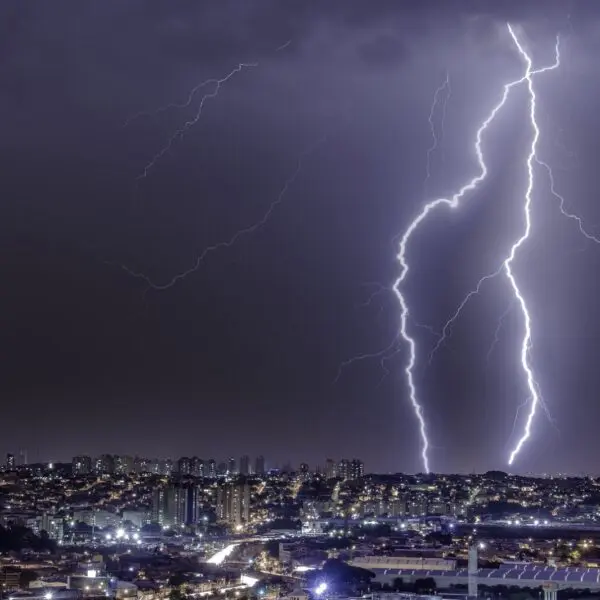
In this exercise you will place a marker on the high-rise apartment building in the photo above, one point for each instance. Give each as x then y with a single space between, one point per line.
53 526
82 465
231 466
175 505
184 465
105 464
259 465
124 465
233 503
330 468
154 466
212 468
343 469
10 462
304 471
166 466
142 465
245 465
357 469
197 467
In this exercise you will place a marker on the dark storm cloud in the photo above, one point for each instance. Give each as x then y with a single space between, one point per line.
240 357
96 44
384 51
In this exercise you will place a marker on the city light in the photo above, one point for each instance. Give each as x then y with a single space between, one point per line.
321 588
220 556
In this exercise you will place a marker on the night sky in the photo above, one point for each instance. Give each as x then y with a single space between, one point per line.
241 356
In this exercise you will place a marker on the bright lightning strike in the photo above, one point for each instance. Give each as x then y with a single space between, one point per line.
508 263
240 233
390 351
454 202
447 328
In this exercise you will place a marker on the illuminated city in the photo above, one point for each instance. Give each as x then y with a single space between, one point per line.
299 301
154 528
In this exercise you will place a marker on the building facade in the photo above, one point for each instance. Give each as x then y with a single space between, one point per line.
233 504
82 465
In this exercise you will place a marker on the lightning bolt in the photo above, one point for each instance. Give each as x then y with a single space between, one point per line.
384 354
181 131
497 331
561 206
391 350
445 85
506 266
447 329
253 228
508 263
380 290
444 107
283 46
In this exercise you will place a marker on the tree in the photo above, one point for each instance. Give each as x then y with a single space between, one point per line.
425 585
175 594
272 547
17 537
176 580
398 584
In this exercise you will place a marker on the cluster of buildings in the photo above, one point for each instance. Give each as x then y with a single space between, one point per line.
113 464
401 527
110 490
344 469
109 464
180 505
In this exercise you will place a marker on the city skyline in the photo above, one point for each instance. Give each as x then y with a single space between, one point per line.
198 467
201 218
68 535
107 463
